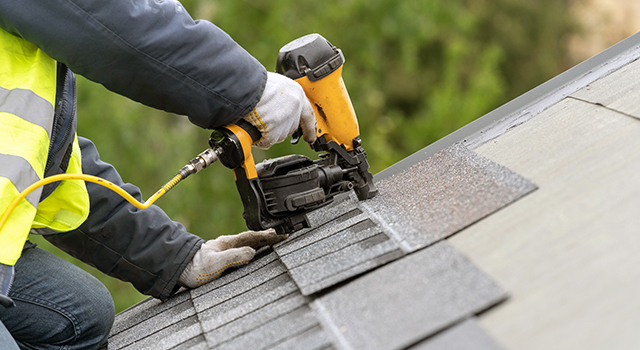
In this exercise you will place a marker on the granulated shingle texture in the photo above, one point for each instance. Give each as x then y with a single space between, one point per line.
444 194
259 310
406 301
337 250
254 307
153 322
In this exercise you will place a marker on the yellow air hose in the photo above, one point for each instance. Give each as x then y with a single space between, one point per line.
198 163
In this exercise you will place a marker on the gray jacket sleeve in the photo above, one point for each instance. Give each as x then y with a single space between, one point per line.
151 51
143 247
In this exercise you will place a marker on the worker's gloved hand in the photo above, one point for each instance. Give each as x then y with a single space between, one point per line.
282 108
215 256
6 279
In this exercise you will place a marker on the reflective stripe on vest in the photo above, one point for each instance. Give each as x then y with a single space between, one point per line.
27 99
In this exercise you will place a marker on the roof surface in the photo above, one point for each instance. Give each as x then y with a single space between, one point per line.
367 275
532 192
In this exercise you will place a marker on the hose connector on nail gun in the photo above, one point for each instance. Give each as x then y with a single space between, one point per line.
203 160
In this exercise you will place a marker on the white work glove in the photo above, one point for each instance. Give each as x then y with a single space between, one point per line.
216 256
281 109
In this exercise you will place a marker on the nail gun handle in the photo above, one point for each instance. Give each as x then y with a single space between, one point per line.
233 146
316 65
253 132
234 142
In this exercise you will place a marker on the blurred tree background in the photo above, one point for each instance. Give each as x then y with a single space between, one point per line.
416 70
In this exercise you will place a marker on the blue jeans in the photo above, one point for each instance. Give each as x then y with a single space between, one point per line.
58 305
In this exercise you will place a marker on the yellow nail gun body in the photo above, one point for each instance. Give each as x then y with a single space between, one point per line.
278 193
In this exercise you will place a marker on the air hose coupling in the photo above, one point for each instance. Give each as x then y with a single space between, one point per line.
203 160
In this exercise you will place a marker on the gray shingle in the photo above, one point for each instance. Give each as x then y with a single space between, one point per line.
150 318
249 322
343 243
408 300
443 194
344 263
245 288
241 305
197 343
268 334
463 336
262 258
144 310
168 338
314 338
322 230
359 230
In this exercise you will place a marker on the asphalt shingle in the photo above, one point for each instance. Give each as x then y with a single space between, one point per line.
170 337
135 327
260 283
266 294
145 310
408 300
261 259
271 333
443 194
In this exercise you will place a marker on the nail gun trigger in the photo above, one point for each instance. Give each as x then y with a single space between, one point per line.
296 136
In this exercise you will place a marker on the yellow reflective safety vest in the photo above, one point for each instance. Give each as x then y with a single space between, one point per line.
27 108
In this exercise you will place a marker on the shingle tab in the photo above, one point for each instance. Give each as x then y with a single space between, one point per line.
339 247
243 309
168 338
145 310
263 257
313 338
347 262
246 288
408 300
443 194
273 332
197 343
150 318
247 323
260 297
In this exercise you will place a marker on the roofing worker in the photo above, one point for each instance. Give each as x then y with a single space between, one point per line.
153 52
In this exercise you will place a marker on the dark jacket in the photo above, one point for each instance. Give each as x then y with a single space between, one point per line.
152 52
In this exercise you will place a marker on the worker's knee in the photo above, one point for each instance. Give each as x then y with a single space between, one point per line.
93 312
98 315
85 324
57 303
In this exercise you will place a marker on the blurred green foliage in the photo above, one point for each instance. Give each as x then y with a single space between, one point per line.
416 70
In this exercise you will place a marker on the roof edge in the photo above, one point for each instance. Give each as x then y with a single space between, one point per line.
529 104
